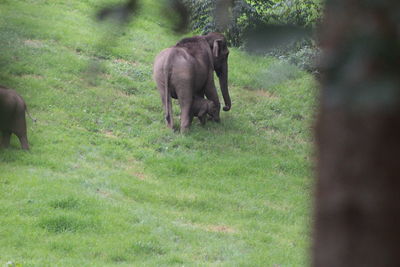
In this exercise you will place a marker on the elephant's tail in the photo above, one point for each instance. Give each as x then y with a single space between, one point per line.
27 112
167 93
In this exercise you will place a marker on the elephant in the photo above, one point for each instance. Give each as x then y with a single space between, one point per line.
187 70
12 117
202 107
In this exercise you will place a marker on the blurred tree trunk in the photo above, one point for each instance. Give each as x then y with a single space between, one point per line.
357 202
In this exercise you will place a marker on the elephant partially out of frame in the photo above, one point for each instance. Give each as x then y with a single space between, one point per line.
187 70
12 117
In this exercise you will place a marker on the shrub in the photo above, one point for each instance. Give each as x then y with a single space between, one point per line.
205 15
247 14
304 54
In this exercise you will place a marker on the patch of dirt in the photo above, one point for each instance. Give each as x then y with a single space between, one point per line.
103 193
123 61
106 76
33 76
221 229
135 168
210 228
109 134
122 93
33 43
140 175
275 206
266 94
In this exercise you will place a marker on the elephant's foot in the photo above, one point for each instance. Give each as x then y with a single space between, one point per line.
24 142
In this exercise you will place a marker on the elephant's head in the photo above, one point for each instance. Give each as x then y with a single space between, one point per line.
220 53
213 111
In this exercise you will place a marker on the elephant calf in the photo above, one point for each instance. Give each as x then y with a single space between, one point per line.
201 107
12 117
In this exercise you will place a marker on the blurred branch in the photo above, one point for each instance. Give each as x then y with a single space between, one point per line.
223 15
121 12
264 37
179 14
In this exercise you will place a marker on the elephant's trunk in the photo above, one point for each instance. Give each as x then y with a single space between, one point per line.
223 82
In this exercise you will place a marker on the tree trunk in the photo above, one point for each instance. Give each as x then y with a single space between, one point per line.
357 198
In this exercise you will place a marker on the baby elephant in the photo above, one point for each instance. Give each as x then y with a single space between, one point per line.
12 117
201 107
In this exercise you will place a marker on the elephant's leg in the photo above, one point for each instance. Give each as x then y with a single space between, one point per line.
183 85
211 93
203 119
185 98
202 115
185 114
24 141
5 142
191 117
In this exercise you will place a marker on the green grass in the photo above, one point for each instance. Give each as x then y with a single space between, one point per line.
107 184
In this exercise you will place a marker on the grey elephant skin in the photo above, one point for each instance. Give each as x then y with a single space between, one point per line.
12 117
187 70
202 107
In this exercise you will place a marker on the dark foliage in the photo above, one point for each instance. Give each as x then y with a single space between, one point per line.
120 12
280 28
175 11
231 17
240 16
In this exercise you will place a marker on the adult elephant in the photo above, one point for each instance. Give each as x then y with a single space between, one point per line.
187 70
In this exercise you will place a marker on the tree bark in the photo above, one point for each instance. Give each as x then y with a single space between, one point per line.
357 197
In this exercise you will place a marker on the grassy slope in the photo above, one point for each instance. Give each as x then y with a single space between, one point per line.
105 182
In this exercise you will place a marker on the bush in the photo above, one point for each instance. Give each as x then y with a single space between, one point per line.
304 54
247 14
242 16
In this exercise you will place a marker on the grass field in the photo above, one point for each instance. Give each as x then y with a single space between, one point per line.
107 184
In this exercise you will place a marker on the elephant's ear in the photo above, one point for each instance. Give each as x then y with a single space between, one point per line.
216 47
